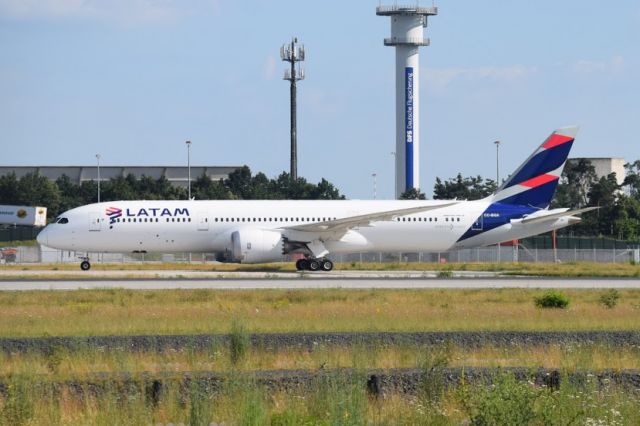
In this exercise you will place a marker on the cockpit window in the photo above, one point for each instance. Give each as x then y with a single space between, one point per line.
63 220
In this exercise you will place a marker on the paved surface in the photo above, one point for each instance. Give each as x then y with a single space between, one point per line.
77 274
316 283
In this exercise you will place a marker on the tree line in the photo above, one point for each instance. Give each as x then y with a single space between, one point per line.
62 194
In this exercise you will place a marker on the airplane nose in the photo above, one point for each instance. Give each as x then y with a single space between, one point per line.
43 238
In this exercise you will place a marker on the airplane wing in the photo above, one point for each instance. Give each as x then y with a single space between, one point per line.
550 216
346 223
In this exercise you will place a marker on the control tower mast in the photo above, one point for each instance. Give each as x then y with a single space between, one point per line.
407 35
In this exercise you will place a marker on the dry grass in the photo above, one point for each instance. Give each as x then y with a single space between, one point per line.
126 312
65 365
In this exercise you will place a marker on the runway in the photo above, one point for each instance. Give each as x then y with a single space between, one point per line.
318 283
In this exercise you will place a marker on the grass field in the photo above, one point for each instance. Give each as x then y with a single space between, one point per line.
333 400
30 398
62 365
127 312
569 269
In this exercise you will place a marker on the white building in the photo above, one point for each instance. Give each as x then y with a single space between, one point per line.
605 166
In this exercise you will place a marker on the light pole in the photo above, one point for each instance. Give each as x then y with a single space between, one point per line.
98 159
374 175
497 163
294 54
189 168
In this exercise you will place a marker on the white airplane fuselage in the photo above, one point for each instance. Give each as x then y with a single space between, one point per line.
207 226
264 231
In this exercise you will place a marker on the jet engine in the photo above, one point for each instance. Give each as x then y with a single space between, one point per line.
256 246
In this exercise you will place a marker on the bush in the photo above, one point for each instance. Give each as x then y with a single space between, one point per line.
239 341
610 298
507 402
445 273
552 299
432 382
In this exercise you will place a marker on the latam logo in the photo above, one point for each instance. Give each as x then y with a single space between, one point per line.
115 212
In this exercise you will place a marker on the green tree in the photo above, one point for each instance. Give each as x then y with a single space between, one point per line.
575 183
632 179
36 190
461 188
326 191
120 188
9 193
413 194
239 183
204 188
70 194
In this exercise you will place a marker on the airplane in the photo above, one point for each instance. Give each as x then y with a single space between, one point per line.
259 231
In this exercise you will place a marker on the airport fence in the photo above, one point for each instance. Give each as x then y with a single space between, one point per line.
493 254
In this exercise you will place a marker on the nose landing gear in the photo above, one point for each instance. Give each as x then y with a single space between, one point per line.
85 265
311 264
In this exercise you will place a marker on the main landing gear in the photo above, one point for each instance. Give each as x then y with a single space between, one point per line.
85 265
311 264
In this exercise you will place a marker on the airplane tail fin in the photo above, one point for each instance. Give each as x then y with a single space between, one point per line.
535 181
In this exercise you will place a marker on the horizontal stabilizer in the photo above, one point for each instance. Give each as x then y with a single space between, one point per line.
552 216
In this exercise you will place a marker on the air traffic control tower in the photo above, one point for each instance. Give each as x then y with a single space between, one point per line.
407 35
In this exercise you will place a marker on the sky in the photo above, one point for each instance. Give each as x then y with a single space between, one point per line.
132 80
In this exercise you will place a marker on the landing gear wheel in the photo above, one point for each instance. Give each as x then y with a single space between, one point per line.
326 265
314 265
85 265
300 264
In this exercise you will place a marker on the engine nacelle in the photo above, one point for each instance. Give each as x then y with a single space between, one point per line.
256 246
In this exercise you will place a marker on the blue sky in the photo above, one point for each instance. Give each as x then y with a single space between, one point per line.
133 79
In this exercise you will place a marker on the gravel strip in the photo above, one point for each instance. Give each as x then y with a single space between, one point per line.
273 341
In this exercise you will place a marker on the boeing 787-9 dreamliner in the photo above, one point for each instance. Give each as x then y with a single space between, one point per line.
252 231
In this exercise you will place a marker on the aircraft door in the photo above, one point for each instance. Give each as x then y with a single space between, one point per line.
94 221
203 221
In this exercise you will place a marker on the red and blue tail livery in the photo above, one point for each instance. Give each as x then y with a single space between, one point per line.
534 182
